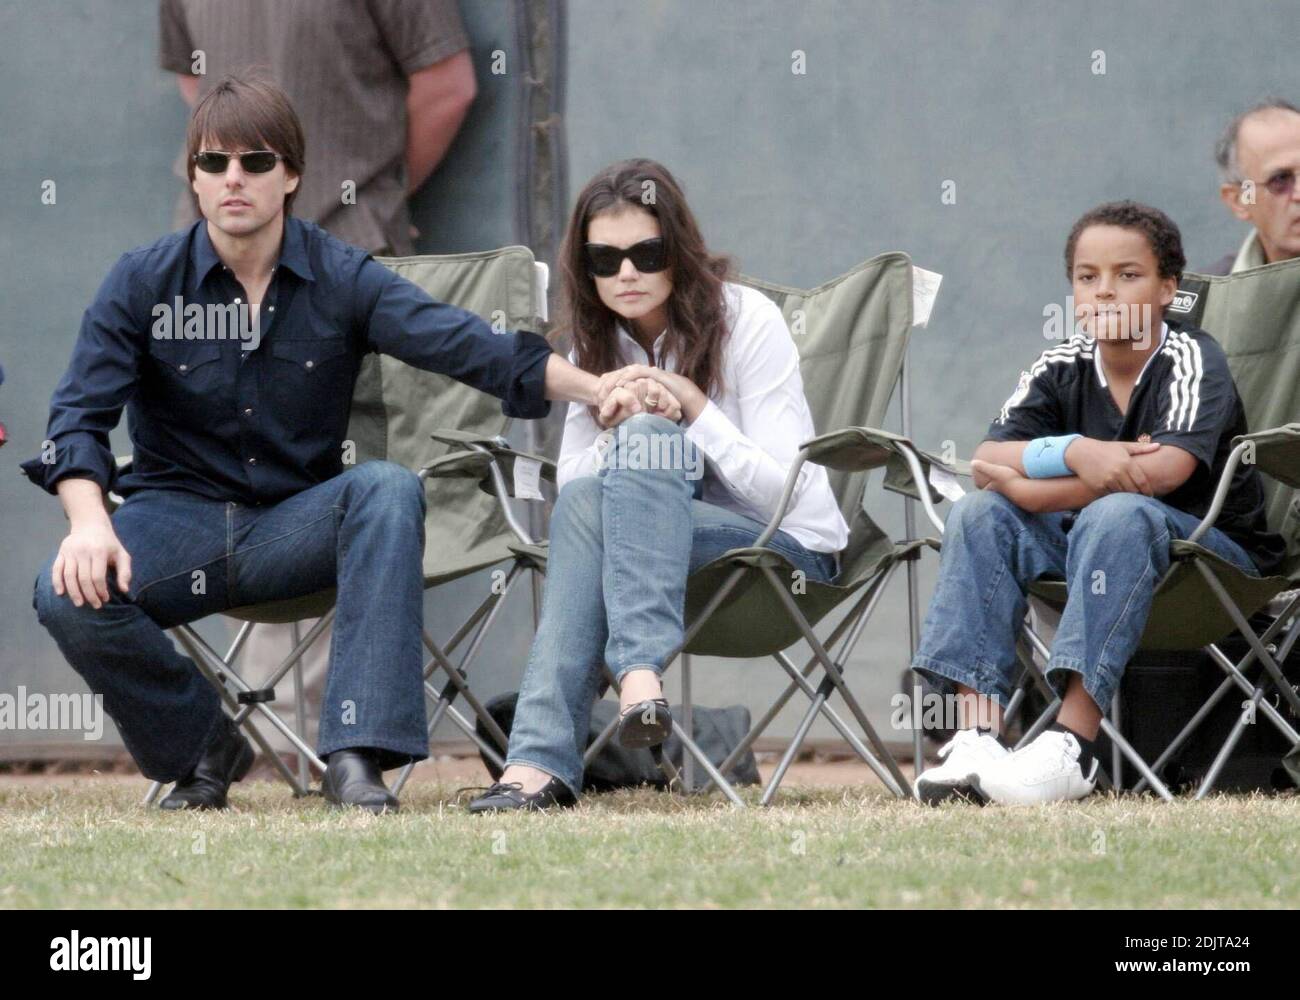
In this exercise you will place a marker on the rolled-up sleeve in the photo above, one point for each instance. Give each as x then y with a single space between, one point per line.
404 322
100 379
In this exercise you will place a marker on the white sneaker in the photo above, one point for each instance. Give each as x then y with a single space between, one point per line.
1046 770
962 756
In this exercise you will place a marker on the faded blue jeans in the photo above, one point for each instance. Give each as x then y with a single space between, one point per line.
622 545
1111 555
362 531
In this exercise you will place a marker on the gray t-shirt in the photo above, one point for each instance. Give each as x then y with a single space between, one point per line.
344 65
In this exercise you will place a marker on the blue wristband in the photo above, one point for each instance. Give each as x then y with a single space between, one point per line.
1044 457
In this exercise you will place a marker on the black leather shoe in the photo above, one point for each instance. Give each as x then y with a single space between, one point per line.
509 796
353 778
227 758
646 724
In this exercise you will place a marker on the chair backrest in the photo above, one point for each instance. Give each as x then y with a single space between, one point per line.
395 407
852 335
1255 317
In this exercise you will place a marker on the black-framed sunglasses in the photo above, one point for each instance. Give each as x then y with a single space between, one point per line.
1281 184
604 261
215 161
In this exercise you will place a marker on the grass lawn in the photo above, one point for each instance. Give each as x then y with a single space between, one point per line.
86 842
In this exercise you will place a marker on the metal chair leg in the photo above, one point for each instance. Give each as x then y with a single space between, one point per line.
300 706
688 720
1116 758
1230 744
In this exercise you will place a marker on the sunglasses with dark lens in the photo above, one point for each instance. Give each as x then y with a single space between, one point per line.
604 261
1281 184
214 161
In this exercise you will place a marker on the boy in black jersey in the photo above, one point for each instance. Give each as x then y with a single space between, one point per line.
1110 446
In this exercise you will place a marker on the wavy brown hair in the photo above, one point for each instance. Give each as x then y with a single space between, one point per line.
697 323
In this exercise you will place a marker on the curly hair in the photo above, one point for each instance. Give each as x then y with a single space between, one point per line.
1160 230
697 321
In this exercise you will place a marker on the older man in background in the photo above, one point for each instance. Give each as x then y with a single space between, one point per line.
1258 156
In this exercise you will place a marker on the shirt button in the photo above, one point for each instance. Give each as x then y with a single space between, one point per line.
237 301
185 368
311 365
248 412
271 308
252 461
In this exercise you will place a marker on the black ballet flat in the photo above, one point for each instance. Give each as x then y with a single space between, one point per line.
645 724
510 796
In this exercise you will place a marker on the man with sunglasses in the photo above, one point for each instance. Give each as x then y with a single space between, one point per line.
401 84
239 492
1258 157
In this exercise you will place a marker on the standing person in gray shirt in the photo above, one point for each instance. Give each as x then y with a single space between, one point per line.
381 86
1258 157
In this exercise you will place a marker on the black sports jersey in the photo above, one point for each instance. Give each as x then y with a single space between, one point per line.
1184 396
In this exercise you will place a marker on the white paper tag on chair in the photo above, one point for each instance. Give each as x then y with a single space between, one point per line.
925 289
528 472
946 483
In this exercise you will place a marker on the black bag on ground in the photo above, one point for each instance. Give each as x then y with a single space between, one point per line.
1161 693
717 731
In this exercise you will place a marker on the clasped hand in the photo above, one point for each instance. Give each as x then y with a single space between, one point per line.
645 389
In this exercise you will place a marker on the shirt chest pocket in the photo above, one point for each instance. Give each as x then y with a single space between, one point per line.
313 355
188 375
310 376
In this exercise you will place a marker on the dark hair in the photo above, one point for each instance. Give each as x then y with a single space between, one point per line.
249 112
1161 233
697 324
1225 150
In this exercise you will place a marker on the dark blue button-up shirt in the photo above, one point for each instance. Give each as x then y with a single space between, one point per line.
208 415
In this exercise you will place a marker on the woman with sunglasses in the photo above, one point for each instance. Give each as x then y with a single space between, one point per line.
710 375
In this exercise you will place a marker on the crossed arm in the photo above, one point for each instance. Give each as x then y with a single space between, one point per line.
1100 467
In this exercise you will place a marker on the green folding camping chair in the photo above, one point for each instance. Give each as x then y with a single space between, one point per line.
1255 316
409 416
852 335
1203 599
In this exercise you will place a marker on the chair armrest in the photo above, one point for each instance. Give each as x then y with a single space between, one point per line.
492 462
1275 451
450 435
476 462
856 449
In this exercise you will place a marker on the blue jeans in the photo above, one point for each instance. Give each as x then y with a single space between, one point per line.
362 531
1111 555
622 545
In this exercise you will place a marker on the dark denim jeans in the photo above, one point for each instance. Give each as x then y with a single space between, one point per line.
362 531
1111 556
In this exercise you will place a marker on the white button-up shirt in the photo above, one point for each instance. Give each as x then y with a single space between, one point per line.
749 434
